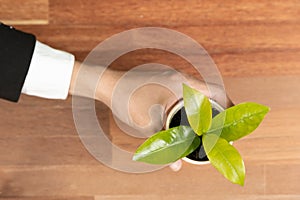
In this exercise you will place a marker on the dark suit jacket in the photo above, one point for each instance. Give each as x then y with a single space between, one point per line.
16 49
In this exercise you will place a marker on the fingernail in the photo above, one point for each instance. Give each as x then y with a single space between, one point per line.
176 166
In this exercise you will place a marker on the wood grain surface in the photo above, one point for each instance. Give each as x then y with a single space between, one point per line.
24 12
256 46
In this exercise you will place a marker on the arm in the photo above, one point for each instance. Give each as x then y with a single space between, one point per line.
31 67
15 57
132 94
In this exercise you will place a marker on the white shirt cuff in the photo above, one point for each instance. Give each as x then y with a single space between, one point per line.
49 73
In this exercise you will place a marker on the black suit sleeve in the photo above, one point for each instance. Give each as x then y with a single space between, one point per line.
16 49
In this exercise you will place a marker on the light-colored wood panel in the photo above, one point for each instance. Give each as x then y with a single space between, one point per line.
206 197
32 114
24 12
175 13
275 91
273 142
43 118
98 180
284 149
261 146
44 151
277 122
48 197
42 132
283 179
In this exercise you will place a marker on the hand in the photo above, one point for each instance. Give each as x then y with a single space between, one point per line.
141 98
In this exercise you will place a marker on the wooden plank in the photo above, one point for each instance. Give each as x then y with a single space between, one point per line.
42 132
175 13
47 198
283 150
103 182
44 151
158 197
230 64
258 63
98 180
206 197
43 118
277 122
29 113
237 50
283 179
275 91
275 141
215 38
24 12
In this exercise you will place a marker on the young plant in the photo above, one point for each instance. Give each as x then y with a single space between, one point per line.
167 146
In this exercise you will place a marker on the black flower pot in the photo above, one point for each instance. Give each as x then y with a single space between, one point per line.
177 116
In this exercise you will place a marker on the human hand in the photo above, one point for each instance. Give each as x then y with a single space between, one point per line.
141 99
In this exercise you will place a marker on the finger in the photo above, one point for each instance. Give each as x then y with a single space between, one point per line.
176 166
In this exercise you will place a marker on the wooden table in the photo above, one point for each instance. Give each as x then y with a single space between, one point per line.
256 45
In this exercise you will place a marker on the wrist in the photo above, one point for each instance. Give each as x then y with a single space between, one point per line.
87 82
106 84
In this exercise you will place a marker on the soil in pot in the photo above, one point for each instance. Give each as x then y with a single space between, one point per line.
180 118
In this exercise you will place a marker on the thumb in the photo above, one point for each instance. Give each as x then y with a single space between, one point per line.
176 166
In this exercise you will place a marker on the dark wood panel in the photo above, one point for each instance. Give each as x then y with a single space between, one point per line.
172 13
237 50
216 39
230 64
258 63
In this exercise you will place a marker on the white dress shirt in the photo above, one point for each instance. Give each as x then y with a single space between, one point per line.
49 74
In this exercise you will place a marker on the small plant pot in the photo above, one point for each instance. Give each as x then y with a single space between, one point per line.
177 116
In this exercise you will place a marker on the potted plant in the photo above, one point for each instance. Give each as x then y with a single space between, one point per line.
177 116
214 134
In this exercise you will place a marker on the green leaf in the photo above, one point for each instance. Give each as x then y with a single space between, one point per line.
198 109
238 121
167 146
225 158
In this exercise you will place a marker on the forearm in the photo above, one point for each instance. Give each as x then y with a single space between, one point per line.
83 82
